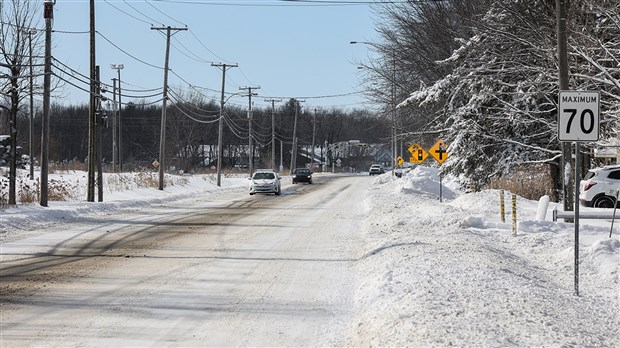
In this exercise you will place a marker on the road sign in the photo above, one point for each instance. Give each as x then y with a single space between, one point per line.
418 154
578 115
400 161
439 151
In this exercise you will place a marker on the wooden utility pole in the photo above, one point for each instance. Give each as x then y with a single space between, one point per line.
92 128
114 142
567 180
220 151
162 135
31 123
294 149
250 145
273 131
119 131
48 14
99 117
313 137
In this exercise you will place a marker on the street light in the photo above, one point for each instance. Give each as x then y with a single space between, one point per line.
31 124
392 99
118 68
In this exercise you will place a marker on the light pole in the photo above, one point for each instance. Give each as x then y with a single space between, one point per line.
31 125
119 146
391 103
294 149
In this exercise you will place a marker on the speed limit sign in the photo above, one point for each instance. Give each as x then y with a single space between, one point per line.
578 116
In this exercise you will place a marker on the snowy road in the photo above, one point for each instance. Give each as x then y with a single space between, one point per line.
351 261
258 271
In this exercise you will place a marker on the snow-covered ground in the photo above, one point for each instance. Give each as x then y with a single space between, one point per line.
432 273
451 273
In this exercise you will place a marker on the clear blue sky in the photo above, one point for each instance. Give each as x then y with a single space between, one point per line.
289 49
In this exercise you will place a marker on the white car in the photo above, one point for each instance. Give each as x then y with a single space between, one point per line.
599 188
376 169
265 181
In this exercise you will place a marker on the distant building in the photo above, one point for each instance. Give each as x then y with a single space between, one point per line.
608 151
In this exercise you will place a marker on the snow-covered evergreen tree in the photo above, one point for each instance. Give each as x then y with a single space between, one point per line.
497 107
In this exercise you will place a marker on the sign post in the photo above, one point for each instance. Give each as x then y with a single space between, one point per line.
578 120
439 151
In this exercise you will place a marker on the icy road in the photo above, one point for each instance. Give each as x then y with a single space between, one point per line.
260 271
353 261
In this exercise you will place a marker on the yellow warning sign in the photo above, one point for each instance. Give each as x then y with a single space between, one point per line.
439 151
418 154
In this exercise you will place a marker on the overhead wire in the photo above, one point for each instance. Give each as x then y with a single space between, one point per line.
286 3
187 52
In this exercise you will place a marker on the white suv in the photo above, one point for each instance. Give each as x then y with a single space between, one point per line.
599 188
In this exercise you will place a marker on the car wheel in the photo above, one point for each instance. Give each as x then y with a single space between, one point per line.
310 182
277 192
251 193
603 202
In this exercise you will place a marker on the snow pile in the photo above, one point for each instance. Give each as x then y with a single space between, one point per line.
451 273
436 273
126 190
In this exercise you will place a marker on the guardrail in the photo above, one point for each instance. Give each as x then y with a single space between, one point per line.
582 215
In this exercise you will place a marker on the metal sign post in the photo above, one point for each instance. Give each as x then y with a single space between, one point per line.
578 120
577 181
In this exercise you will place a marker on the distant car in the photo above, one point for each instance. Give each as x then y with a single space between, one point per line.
265 181
376 169
600 186
302 175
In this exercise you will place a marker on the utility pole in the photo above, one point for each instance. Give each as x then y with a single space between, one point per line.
294 149
92 131
281 156
251 149
162 135
114 144
570 201
273 130
48 14
31 125
99 114
220 150
118 68
313 136
561 6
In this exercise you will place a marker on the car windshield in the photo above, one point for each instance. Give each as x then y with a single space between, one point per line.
302 171
264 176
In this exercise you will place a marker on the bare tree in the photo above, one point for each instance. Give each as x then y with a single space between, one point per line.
17 32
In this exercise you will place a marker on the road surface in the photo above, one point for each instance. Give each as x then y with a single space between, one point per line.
229 270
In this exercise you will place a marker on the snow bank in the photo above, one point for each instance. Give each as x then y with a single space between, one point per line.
451 273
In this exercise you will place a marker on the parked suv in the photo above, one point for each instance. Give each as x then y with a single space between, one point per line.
265 181
600 186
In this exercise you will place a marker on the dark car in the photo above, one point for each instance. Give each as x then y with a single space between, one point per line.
302 175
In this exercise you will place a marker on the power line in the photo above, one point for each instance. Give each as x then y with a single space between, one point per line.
128 54
291 3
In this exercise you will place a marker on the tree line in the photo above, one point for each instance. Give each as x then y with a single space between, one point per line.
192 137
483 75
